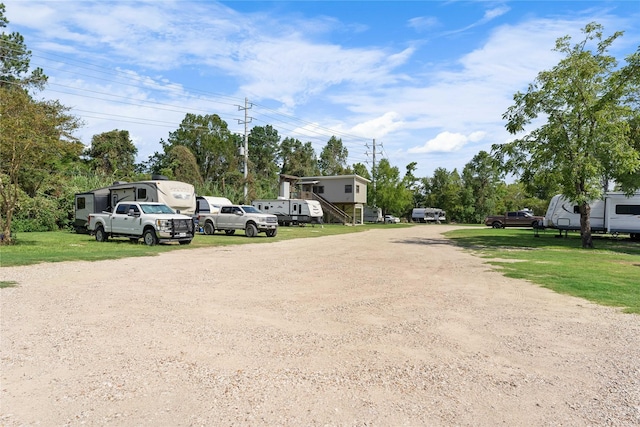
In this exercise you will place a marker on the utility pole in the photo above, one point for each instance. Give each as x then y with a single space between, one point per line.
373 173
245 151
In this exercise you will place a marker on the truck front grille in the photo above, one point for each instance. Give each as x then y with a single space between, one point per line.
183 226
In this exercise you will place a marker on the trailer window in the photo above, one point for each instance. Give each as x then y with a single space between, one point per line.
628 209
80 203
142 193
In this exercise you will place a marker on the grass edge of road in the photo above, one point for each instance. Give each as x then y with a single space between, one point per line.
607 275
59 246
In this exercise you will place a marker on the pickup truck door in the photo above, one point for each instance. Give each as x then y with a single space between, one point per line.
236 218
223 219
121 221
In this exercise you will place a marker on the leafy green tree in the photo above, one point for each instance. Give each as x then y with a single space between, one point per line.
35 139
113 153
298 159
215 148
481 177
587 101
264 144
392 195
184 166
333 158
447 192
361 170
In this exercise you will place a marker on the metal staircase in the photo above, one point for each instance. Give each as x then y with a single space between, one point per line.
333 210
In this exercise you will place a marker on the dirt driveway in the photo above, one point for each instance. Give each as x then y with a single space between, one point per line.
386 328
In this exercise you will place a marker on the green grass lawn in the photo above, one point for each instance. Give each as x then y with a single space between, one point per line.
608 275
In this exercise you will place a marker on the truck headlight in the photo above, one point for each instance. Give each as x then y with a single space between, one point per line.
163 225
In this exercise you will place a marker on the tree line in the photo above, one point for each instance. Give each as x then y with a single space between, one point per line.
592 135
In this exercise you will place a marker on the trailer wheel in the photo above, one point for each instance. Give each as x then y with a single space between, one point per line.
272 233
251 230
149 237
229 232
101 236
497 224
209 228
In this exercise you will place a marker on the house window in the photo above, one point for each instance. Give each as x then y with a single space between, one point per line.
357 189
348 188
318 189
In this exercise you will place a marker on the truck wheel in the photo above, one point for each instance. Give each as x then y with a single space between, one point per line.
497 224
272 233
209 228
149 237
229 232
251 230
101 236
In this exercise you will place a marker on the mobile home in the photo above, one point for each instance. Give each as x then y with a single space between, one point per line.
615 213
179 196
292 211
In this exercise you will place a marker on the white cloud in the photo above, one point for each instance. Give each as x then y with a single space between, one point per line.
423 23
447 142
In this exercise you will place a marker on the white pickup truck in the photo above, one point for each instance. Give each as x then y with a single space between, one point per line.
153 222
240 217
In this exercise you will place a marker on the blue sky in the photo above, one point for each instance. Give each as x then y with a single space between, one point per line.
428 80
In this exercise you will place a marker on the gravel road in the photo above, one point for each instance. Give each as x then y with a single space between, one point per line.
386 327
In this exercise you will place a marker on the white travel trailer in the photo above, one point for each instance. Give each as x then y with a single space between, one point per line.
373 214
428 215
179 196
211 204
292 211
615 213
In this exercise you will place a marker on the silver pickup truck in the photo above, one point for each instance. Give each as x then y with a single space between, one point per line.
240 217
153 222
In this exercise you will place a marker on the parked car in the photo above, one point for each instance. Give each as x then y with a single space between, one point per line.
390 219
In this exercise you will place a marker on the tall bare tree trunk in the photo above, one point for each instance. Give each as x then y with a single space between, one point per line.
585 226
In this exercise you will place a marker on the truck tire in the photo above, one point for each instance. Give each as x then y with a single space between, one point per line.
101 236
209 228
496 224
251 230
229 232
272 233
149 237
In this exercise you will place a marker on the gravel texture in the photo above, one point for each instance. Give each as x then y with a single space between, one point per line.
387 327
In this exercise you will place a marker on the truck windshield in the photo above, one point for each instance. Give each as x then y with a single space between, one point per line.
156 209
